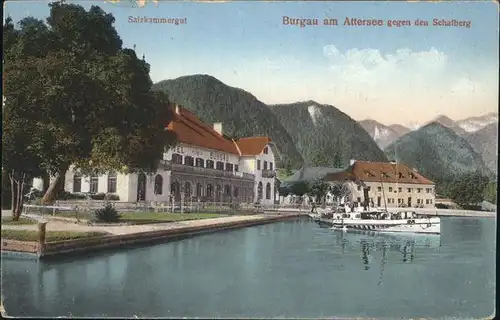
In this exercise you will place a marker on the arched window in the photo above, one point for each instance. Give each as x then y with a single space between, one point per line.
210 190
112 182
199 190
175 190
218 192
77 183
187 189
176 158
268 191
158 184
259 191
227 190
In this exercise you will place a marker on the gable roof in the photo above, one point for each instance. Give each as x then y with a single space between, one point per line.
252 146
191 130
380 172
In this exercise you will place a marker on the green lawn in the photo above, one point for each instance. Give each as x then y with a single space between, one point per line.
29 235
22 221
144 217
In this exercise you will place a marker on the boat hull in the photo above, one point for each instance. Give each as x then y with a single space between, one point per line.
426 226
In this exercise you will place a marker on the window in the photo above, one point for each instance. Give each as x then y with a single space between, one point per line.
359 199
369 188
428 190
200 162
369 174
187 189
400 175
229 167
271 166
390 189
268 191
400 189
359 188
418 201
210 190
430 201
176 158
219 165
236 168
265 165
419 190
266 150
112 182
158 184
235 192
410 190
227 190
77 183
199 190
258 164
210 164
189 161
259 190
94 184
379 189
400 201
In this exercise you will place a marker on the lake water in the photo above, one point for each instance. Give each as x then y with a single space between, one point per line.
287 269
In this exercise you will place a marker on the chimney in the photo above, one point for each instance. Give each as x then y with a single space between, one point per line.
177 109
352 162
218 127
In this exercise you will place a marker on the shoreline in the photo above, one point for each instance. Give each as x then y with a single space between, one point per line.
178 232
429 212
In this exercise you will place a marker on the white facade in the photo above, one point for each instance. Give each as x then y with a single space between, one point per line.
126 186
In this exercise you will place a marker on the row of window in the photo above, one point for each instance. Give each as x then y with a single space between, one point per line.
401 201
265 165
410 190
94 183
202 163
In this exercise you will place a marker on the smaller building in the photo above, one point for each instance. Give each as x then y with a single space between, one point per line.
385 184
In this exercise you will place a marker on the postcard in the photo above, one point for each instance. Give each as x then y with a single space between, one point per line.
241 159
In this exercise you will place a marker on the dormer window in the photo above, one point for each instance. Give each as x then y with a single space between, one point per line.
266 150
412 175
369 173
385 175
400 175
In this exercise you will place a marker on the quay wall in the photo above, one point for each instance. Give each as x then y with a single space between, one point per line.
50 249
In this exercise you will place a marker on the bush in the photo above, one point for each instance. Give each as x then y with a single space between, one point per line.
107 214
112 197
98 196
442 206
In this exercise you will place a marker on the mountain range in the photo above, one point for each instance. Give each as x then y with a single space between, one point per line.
311 133
437 152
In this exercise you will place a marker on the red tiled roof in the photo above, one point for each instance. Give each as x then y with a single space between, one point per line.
380 172
252 146
191 130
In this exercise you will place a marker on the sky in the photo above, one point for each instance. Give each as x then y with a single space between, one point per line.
406 75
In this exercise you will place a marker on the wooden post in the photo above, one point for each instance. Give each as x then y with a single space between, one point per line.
41 237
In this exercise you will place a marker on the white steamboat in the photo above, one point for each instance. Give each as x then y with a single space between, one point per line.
381 220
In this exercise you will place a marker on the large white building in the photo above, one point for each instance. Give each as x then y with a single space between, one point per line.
383 184
205 165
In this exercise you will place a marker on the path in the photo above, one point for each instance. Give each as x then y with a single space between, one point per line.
128 229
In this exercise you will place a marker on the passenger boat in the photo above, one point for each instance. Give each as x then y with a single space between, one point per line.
384 221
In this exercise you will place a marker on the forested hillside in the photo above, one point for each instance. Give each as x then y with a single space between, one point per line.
326 136
240 112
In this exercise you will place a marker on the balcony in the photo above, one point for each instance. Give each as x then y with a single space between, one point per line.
268 174
165 165
211 172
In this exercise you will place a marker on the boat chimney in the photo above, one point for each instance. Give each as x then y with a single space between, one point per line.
177 109
352 162
218 127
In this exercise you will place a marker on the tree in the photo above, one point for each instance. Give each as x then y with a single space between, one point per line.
86 100
340 189
468 189
490 192
319 160
319 189
299 188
